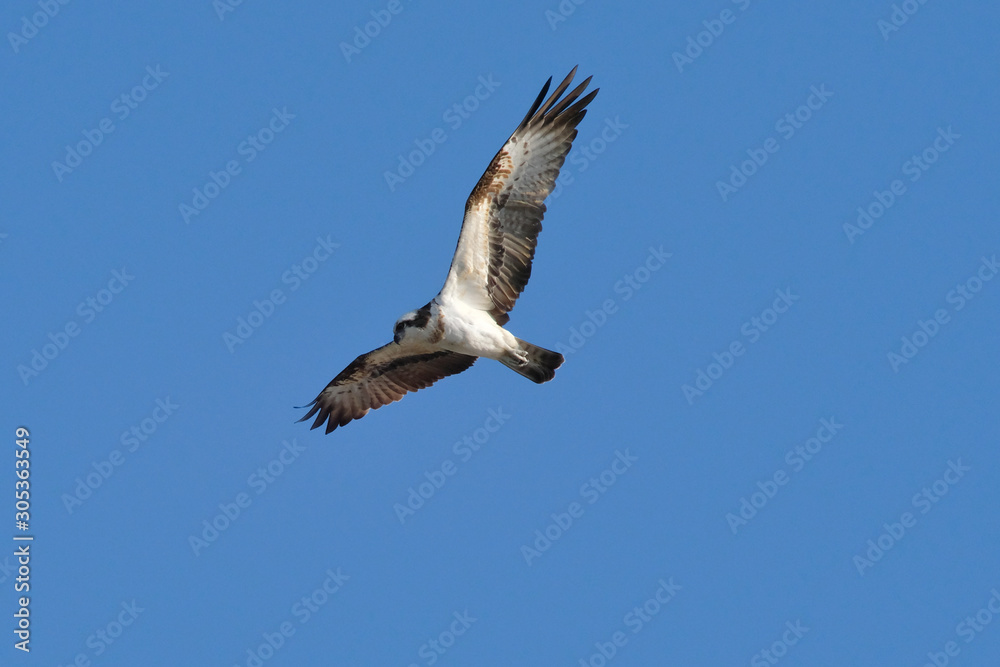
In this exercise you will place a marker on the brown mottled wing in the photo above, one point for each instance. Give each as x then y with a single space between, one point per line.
379 378
503 215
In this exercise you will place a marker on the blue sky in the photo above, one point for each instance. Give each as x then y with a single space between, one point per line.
770 262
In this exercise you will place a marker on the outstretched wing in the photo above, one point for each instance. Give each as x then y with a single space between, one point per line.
379 378
503 215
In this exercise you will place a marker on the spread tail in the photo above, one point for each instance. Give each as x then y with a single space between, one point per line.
540 366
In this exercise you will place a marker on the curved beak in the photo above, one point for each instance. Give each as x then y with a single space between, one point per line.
395 339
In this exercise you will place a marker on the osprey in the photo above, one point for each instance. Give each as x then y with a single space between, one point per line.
490 269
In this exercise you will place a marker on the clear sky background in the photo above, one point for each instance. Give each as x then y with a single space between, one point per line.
775 434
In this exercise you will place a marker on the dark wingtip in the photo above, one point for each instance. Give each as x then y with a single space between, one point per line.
559 103
537 103
313 409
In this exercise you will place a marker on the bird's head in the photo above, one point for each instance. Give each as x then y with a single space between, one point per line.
412 325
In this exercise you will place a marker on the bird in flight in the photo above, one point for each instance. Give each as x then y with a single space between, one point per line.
491 267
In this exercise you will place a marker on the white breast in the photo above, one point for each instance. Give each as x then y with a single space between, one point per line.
472 331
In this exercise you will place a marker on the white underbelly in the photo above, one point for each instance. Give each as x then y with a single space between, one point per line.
471 331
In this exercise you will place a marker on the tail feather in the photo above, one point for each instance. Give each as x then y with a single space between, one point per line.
541 365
